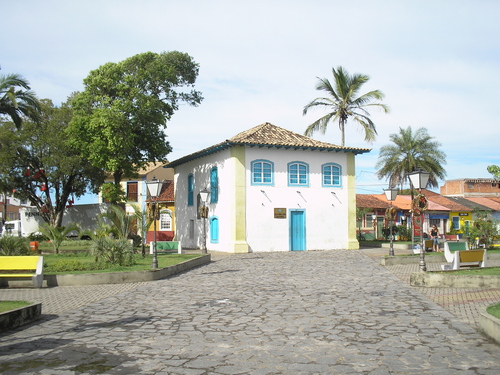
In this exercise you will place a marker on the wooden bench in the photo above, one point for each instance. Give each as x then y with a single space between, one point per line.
165 247
458 255
451 237
22 267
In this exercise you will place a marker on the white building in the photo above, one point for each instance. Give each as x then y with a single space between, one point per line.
270 190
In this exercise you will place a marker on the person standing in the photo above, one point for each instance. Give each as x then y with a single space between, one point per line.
435 238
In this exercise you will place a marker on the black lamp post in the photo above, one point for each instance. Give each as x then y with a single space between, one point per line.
154 188
391 195
374 222
204 214
419 179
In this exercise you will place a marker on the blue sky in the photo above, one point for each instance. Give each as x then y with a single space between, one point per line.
437 62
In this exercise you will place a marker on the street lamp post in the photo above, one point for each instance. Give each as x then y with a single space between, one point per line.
154 188
391 195
204 214
374 221
419 179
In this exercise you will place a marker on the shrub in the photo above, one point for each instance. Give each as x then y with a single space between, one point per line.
37 236
11 245
72 265
404 233
109 250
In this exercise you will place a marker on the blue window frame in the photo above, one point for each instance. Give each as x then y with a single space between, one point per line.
190 189
214 185
214 229
262 172
298 174
332 175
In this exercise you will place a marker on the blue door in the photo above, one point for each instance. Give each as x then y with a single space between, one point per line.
297 230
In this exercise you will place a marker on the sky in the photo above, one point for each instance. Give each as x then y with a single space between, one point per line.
437 62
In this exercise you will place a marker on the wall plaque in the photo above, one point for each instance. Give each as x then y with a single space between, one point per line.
280 213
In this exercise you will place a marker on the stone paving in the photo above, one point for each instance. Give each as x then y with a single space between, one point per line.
324 312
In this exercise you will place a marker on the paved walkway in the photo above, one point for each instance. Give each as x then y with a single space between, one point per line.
333 312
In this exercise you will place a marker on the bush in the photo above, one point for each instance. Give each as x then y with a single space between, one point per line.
109 250
11 245
37 236
404 233
71 265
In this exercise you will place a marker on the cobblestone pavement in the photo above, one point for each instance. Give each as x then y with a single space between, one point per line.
465 303
325 312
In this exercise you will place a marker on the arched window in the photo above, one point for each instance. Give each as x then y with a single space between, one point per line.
332 175
190 190
214 185
262 172
214 229
298 174
165 221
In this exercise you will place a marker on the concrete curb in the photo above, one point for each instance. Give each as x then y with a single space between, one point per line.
413 259
125 277
19 317
116 277
448 280
489 325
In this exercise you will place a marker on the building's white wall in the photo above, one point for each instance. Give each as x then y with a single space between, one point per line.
326 209
200 168
326 213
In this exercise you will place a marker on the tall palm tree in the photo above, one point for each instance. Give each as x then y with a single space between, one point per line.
409 152
344 103
17 99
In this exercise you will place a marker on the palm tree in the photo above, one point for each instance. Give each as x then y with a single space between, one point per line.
16 99
409 152
344 103
57 235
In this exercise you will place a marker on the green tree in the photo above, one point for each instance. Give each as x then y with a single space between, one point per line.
120 117
484 228
409 152
17 99
39 164
143 223
495 171
360 214
344 102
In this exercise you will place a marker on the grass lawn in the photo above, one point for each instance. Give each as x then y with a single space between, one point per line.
12 305
489 271
141 264
494 310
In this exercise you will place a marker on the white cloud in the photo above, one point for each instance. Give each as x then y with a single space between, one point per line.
437 63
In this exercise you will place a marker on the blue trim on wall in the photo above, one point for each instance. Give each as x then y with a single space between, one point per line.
339 185
214 229
252 176
298 183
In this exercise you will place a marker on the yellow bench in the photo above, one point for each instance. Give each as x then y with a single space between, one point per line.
22 267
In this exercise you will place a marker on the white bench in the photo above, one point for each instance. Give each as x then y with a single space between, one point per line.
458 255
165 247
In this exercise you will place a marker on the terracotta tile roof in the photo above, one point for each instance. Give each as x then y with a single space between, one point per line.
167 193
370 201
491 203
269 135
402 202
448 202
150 167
